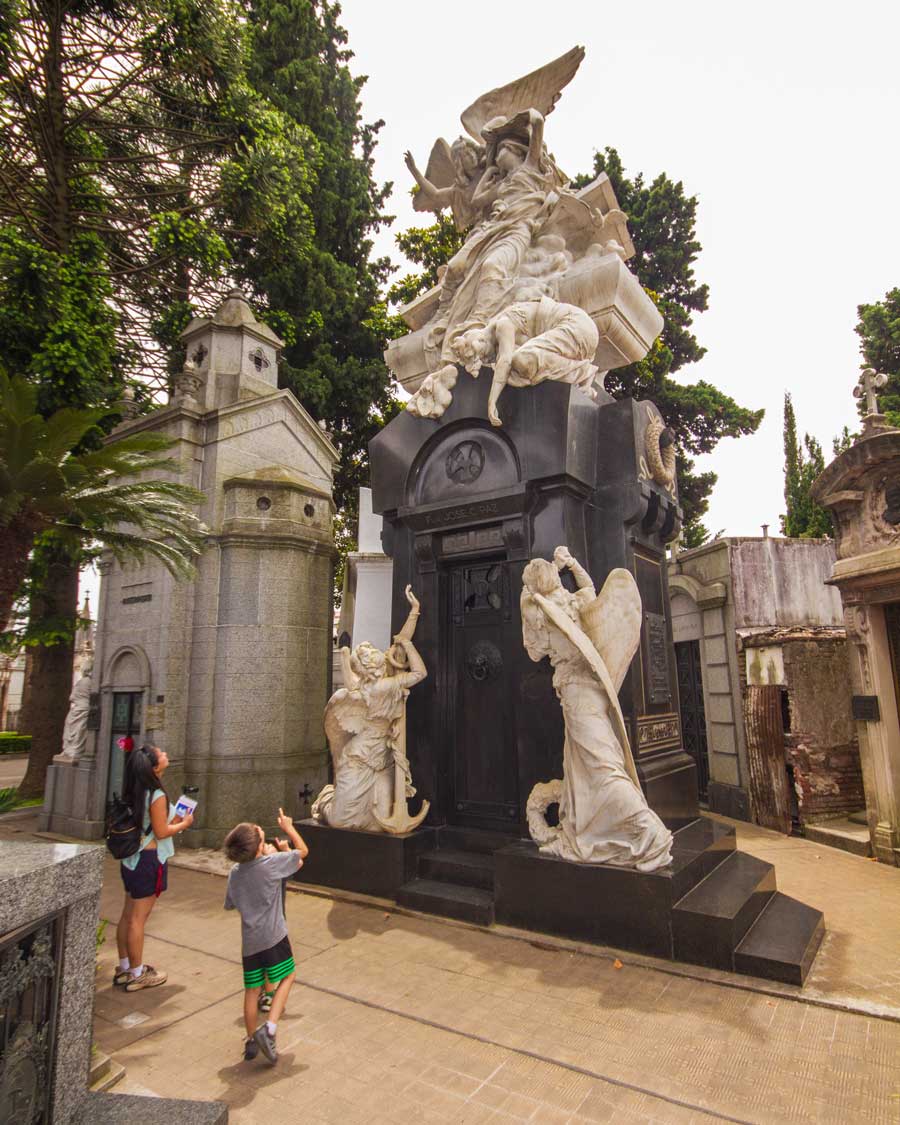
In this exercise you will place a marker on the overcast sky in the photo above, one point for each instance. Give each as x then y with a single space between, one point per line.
782 118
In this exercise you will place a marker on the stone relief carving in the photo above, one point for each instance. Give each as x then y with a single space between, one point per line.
365 723
591 640
657 459
76 726
531 241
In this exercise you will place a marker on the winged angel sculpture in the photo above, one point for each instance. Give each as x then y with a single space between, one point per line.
526 231
365 723
590 639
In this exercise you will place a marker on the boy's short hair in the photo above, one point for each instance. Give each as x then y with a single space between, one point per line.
242 843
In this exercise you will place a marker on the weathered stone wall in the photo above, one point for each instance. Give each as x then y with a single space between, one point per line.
781 582
821 745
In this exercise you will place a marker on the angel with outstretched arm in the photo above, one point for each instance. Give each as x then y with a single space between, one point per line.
361 724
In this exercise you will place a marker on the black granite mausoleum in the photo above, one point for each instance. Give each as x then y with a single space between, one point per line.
465 507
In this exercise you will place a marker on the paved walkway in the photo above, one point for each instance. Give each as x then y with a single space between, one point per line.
399 1018
402 1018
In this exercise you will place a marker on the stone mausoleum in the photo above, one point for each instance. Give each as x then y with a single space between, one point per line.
763 684
861 488
228 673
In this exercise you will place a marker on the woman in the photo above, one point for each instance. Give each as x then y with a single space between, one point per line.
603 814
145 873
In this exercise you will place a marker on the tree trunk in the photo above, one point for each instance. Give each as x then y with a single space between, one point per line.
45 702
18 539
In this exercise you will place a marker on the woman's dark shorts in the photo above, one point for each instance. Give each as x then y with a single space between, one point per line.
150 877
271 964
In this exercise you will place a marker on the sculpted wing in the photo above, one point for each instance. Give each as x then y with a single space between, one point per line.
613 622
440 172
539 90
345 716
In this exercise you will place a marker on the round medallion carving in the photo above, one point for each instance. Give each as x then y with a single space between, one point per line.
483 661
465 462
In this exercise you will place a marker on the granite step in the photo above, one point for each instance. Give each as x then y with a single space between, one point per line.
782 942
470 904
844 833
710 921
456 838
468 869
104 1073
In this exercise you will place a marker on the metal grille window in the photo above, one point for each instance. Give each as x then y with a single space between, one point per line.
30 960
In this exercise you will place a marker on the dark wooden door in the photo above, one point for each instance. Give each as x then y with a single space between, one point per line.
126 720
693 715
481 744
764 726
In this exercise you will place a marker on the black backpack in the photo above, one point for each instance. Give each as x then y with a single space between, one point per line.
123 829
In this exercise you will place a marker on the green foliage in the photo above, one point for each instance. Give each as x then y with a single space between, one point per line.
431 247
312 268
804 519
879 332
76 499
662 223
12 743
10 800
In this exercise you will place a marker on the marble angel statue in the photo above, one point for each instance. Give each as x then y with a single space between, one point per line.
591 640
365 723
74 737
506 193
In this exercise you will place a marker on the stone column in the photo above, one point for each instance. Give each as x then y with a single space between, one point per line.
872 674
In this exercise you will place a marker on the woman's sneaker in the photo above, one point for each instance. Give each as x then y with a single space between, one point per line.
149 978
266 1043
251 1050
121 977
265 1001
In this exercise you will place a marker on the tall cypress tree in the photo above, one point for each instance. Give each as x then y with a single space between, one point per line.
325 301
803 518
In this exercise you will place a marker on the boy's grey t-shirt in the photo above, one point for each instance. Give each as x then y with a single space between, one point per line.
254 889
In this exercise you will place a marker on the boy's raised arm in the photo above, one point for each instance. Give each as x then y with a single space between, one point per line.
287 826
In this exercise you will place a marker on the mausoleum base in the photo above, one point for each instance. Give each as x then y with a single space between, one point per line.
371 863
713 905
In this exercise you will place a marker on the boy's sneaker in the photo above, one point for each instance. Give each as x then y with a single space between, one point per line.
266 1043
149 978
251 1050
265 1001
121 977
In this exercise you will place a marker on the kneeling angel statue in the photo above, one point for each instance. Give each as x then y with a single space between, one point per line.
365 723
590 639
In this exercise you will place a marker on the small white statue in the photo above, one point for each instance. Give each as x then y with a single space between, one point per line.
365 723
75 729
590 639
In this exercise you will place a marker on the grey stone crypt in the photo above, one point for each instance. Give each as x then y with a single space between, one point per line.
228 673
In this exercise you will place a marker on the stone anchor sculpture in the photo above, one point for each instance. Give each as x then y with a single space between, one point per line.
539 289
591 640
365 723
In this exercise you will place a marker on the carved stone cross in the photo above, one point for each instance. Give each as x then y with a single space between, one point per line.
868 382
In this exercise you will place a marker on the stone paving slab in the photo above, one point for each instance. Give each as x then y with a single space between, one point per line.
401 1019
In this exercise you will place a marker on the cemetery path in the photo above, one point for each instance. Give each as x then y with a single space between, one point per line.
400 1018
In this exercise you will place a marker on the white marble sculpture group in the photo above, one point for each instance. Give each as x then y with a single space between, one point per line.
365 723
539 289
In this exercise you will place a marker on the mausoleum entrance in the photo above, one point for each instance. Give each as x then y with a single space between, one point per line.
126 722
480 747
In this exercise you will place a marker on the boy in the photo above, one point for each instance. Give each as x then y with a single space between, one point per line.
255 889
